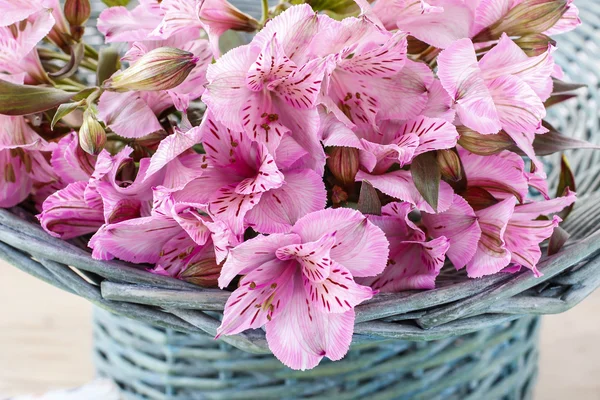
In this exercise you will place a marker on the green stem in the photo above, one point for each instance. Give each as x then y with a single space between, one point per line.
265 11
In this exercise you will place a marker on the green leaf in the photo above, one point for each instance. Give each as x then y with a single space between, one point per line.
561 87
115 3
557 240
566 181
77 53
559 98
554 142
108 64
28 99
368 200
484 145
63 111
427 176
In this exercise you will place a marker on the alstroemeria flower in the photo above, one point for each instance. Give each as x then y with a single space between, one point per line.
261 91
244 185
70 162
301 287
213 16
12 11
503 91
414 262
177 237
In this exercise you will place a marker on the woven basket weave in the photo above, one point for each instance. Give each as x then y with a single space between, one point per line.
461 340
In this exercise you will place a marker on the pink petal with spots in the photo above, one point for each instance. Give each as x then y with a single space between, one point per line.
300 89
66 214
462 78
500 174
313 257
361 247
253 253
399 184
432 133
230 207
303 192
300 336
15 182
261 297
459 225
338 293
268 176
271 64
492 254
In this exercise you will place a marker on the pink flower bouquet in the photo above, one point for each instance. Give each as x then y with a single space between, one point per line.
345 150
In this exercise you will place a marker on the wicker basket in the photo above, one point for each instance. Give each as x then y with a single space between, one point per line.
467 339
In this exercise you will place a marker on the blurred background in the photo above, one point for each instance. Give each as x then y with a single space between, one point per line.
46 341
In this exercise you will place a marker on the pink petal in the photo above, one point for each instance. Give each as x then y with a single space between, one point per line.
295 29
432 133
381 61
338 293
262 119
492 254
230 207
117 207
121 25
289 152
300 89
226 94
12 11
439 104
487 12
535 209
415 266
500 174
361 246
70 162
303 192
122 240
67 215
268 176
507 58
378 158
15 182
313 257
253 253
458 224
399 184
127 114
271 64
261 297
462 78
569 21
300 336
173 146
179 15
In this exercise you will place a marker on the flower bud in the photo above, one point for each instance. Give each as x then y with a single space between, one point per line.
203 273
343 163
77 12
484 145
534 44
221 15
529 17
160 69
450 165
92 136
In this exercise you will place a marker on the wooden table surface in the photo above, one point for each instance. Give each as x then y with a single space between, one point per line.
45 342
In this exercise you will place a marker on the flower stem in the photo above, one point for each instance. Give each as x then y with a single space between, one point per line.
265 11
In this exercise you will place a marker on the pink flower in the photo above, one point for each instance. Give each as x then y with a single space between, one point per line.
414 262
395 143
12 11
213 16
242 184
505 90
176 236
301 287
258 89
118 24
70 162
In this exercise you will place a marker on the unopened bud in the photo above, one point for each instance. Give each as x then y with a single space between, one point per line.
222 14
92 136
203 273
529 17
534 44
343 162
450 165
160 69
77 12
484 145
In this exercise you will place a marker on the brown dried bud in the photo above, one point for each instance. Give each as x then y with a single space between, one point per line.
160 69
92 137
484 145
535 44
450 165
343 163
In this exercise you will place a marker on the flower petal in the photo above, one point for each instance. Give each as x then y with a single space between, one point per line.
361 246
127 114
118 24
433 133
439 104
313 257
230 207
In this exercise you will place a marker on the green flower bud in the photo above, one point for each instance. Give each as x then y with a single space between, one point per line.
343 163
92 137
160 69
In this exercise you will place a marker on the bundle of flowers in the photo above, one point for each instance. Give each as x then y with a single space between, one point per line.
345 150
